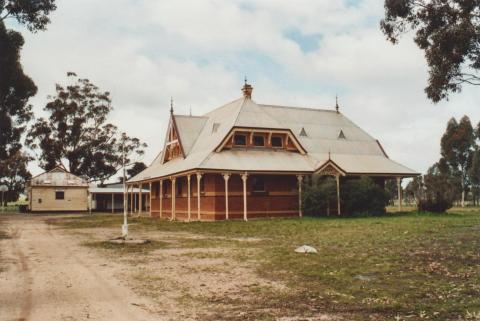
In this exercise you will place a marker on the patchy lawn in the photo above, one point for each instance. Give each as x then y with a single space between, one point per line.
396 267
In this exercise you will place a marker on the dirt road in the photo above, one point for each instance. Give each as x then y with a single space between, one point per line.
48 276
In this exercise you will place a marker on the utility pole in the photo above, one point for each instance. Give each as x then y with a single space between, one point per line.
125 223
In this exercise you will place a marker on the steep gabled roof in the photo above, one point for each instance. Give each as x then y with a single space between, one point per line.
189 127
58 177
357 153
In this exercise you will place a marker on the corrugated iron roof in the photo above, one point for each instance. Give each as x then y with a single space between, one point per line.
58 177
357 152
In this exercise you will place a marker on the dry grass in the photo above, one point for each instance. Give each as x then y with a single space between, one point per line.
407 266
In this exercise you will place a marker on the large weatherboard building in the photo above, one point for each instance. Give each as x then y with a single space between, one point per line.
247 160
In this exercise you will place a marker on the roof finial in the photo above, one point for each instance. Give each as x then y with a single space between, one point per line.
190 111
329 154
336 104
171 105
247 89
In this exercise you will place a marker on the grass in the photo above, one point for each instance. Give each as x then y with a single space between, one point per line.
406 266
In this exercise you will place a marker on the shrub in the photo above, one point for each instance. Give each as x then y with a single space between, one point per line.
363 196
440 188
319 194
434 205
358 196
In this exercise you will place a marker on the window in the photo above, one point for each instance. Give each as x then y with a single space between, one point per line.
277 141
59 195
240 140
202 185
258 184
39 201
258 140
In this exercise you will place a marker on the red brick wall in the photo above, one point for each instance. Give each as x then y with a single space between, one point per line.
280 198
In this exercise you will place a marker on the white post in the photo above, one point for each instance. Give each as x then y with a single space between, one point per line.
140 200
89 203
161 198
188 192
337 177
226 177
244 179
300 179
134 200
131 199
150 198
199 177
399 191
173 197
125 193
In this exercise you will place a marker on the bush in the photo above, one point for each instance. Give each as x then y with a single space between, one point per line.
440 188
358 196
434 205
363 196
319 195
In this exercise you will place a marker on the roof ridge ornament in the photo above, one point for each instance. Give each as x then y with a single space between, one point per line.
247 89
337 108
171 105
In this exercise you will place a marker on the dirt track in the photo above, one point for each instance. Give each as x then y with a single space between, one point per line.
47 276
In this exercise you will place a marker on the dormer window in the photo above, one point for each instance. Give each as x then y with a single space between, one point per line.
341 135
240 140
277 141
258 140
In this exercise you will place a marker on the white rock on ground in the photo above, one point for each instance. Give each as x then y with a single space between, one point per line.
306 249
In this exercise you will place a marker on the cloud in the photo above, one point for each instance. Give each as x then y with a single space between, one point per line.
301 53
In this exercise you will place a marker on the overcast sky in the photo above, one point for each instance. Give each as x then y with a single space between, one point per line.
299 53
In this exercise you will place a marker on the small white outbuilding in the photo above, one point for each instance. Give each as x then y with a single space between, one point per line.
57 190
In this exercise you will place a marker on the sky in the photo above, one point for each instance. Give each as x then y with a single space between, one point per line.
298 53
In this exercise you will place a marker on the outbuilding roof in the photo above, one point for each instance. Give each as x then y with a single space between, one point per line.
325 135
58 177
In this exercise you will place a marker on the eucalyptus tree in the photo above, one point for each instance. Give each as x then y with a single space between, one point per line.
78 135
16 88
457 149
448 31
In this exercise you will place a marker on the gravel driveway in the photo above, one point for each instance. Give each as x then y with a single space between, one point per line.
46 275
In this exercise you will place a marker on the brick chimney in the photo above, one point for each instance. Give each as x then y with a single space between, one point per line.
247 90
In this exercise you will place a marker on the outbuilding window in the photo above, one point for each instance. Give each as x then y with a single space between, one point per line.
258 140
59 195
240 140
277 141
